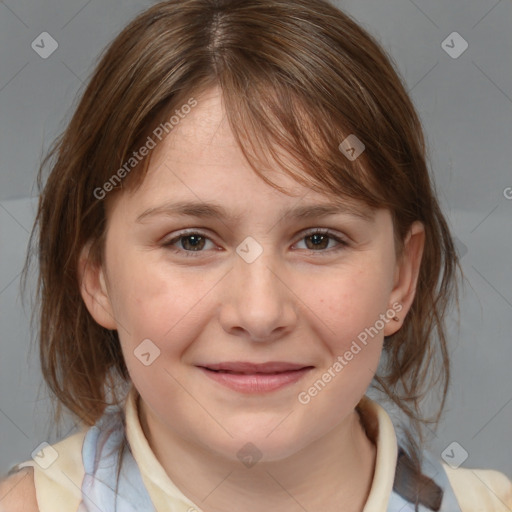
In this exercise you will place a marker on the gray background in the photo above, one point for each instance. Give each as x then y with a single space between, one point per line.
465 104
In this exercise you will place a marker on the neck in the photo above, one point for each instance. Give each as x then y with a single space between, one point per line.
330 474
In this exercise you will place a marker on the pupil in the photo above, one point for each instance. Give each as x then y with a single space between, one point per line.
318 239
193 241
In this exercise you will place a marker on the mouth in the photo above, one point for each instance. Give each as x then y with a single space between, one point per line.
252 368
245 377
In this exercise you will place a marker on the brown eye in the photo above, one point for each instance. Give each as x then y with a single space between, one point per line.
189 244
192 242
320 240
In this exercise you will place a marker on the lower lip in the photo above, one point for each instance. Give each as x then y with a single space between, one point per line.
257 382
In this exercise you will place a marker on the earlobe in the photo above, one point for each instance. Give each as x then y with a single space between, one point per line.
406 276
94 291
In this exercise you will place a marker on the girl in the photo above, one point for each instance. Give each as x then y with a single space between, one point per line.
238 227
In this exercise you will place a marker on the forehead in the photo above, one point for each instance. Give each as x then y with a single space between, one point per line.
201 162
203 135
202 149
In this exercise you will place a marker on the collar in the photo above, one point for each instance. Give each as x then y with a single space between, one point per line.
166 496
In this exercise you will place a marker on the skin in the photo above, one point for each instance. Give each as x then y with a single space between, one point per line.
294 303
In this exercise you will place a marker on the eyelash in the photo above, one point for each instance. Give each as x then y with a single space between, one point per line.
316 231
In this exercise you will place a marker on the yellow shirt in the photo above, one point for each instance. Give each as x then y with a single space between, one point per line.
58 487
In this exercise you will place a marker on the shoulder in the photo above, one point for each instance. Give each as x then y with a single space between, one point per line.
52 481
18 492
480 490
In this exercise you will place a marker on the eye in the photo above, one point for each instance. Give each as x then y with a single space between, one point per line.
318 239
189 243
192 243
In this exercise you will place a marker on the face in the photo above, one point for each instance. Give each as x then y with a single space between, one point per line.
194 295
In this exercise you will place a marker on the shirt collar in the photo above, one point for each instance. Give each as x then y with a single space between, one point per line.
167 497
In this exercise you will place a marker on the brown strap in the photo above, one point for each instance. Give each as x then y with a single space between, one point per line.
415 487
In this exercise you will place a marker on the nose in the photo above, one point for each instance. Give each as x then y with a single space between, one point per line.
258 303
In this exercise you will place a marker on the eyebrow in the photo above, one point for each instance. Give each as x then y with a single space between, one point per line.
215 210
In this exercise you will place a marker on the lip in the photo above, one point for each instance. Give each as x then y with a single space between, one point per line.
247 377
247 367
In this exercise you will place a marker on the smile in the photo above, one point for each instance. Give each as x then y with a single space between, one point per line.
253 378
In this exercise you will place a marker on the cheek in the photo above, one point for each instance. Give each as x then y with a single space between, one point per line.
350 304
346 313
152 300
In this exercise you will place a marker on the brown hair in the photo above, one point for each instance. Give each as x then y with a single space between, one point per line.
297 76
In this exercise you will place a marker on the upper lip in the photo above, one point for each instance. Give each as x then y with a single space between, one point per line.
246 367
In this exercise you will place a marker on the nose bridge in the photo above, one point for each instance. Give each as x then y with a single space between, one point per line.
256 269
259 302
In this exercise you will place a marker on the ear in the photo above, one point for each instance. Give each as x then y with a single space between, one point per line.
94 290
406 276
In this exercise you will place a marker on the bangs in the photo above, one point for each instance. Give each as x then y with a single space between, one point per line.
279 129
